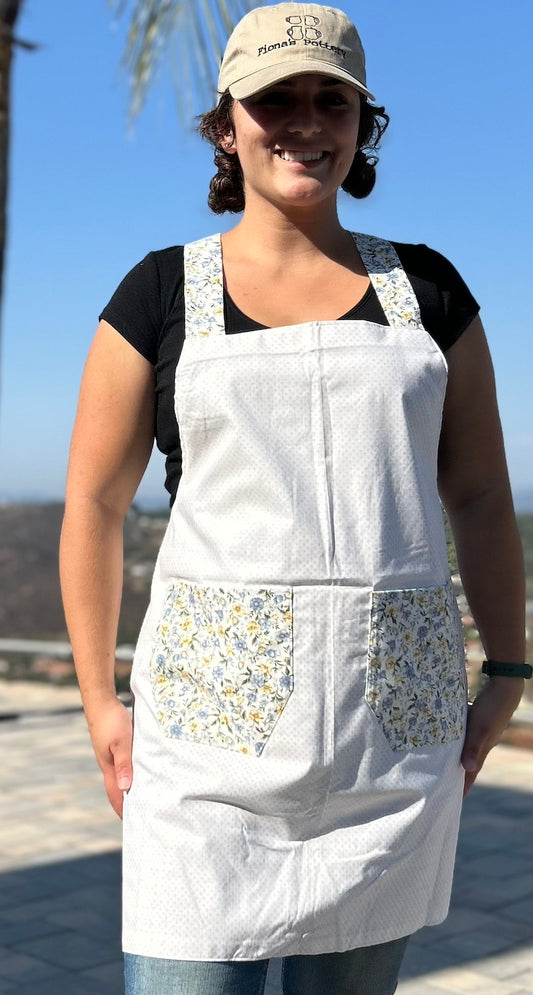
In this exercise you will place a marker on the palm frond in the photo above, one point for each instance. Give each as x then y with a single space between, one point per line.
192 33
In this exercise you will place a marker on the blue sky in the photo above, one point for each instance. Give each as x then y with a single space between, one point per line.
91 195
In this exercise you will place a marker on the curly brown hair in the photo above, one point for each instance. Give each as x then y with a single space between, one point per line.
226 190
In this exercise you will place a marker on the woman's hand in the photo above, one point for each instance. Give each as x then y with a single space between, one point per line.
488 716
111 728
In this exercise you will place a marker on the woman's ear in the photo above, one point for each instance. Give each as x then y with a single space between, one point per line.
227 143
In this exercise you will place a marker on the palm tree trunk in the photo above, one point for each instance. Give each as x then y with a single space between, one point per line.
9 11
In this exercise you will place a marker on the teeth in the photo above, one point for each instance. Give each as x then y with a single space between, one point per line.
299 156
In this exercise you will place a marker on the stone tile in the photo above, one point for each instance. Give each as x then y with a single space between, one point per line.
102 843
101 898
499 865
476 844
80 897
522 911
525 978
88 922
460 920
478 943
273 984
421 986
508 965
274 971
40 881
466 920
420 960
106 867
463 981
110 976
487 895
19 967
17 932
66 984
71 950
62 851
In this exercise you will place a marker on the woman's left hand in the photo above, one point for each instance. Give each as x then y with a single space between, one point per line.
488 716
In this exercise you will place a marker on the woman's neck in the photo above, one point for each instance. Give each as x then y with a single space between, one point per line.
271 233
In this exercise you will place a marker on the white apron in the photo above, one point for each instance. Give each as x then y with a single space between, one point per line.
299 681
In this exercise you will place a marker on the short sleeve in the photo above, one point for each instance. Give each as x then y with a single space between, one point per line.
446 304
135 308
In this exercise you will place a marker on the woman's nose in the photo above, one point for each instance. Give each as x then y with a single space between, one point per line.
305 118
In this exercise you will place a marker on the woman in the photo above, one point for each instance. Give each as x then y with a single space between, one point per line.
299 678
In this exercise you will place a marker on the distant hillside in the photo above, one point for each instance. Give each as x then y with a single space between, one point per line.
30 603
525 526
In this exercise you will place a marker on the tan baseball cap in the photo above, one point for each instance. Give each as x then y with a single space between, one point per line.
272 43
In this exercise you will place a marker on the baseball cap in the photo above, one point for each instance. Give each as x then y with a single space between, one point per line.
270 44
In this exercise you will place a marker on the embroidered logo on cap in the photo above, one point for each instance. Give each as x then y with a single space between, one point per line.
303 28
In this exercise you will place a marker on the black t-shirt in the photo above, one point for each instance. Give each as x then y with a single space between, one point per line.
148 310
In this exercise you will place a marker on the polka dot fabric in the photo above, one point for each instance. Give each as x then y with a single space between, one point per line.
309 467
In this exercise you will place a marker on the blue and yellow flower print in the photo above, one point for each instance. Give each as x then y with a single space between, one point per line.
221 666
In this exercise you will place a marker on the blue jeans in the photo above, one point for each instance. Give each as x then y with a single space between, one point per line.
366 971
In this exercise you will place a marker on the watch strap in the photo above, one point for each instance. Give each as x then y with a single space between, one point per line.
493 668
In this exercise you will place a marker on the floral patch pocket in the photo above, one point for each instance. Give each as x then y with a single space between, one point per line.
222 664
415 682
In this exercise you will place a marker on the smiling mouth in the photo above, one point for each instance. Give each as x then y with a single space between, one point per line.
290 156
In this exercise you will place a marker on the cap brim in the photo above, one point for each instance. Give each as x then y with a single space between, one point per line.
263 78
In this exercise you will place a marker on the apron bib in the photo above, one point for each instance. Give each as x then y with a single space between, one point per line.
299 681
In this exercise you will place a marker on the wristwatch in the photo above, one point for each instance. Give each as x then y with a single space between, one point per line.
493 668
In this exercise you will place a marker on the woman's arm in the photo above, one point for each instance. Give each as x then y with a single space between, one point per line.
111 445
474 488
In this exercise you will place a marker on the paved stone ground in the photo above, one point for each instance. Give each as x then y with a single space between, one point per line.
60 871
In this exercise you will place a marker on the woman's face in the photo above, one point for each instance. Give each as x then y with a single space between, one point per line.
296 140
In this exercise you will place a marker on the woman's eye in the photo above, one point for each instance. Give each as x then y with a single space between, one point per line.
335 99
285 98
271 99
